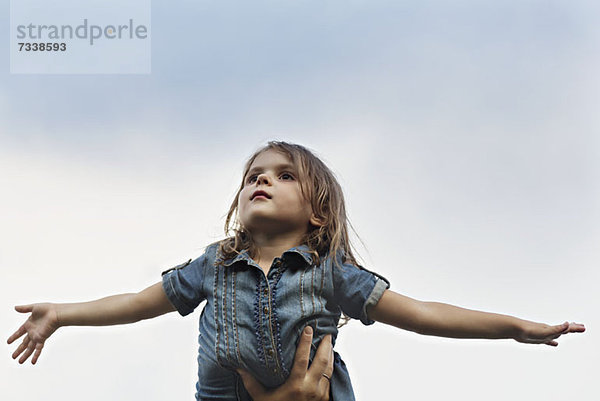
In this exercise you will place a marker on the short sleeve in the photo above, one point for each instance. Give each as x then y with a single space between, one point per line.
184 284
356 289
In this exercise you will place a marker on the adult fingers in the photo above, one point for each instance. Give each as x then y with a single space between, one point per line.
329 369
254 388
20 331
323 361
302 354
324 388
326 349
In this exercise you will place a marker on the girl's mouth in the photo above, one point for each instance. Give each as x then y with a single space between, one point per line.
260 194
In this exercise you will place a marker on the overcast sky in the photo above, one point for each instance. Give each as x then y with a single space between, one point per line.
465 136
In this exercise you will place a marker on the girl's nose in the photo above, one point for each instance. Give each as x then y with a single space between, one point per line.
262 179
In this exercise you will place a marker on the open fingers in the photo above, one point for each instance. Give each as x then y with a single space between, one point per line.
575 328
562 329
22 347
565 328
38 351
28 352
20 331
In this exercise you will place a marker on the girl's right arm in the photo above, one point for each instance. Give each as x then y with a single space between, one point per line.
46 318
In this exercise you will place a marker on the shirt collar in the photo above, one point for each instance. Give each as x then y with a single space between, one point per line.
301 250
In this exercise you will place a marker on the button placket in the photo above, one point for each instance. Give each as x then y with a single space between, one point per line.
267 326
271 353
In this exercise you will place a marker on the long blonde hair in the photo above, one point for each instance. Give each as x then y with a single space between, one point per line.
319 186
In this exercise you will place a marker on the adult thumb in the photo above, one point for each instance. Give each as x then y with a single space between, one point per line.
254 388
24 308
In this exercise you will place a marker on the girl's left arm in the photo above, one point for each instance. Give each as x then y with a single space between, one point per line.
439 319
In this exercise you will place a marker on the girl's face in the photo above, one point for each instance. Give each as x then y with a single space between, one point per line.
271 201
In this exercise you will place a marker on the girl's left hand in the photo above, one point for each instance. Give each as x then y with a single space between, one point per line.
538 333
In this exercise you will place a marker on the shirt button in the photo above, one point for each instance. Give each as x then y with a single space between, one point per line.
266 310
274 370
266 291
270 353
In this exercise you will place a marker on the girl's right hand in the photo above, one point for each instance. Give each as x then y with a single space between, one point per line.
40 325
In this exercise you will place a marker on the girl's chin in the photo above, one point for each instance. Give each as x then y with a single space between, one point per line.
265 224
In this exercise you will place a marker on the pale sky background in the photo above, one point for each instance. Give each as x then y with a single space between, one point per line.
465 136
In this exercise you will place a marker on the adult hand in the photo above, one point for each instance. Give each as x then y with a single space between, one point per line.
303 384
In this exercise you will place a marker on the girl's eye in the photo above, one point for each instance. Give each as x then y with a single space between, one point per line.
284 176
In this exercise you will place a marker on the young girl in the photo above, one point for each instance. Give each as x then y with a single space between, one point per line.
287 264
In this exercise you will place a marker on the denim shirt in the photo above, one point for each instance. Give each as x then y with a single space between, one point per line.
254 321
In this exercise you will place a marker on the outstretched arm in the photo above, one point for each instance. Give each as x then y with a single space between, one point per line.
116 309
438 319
46 318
